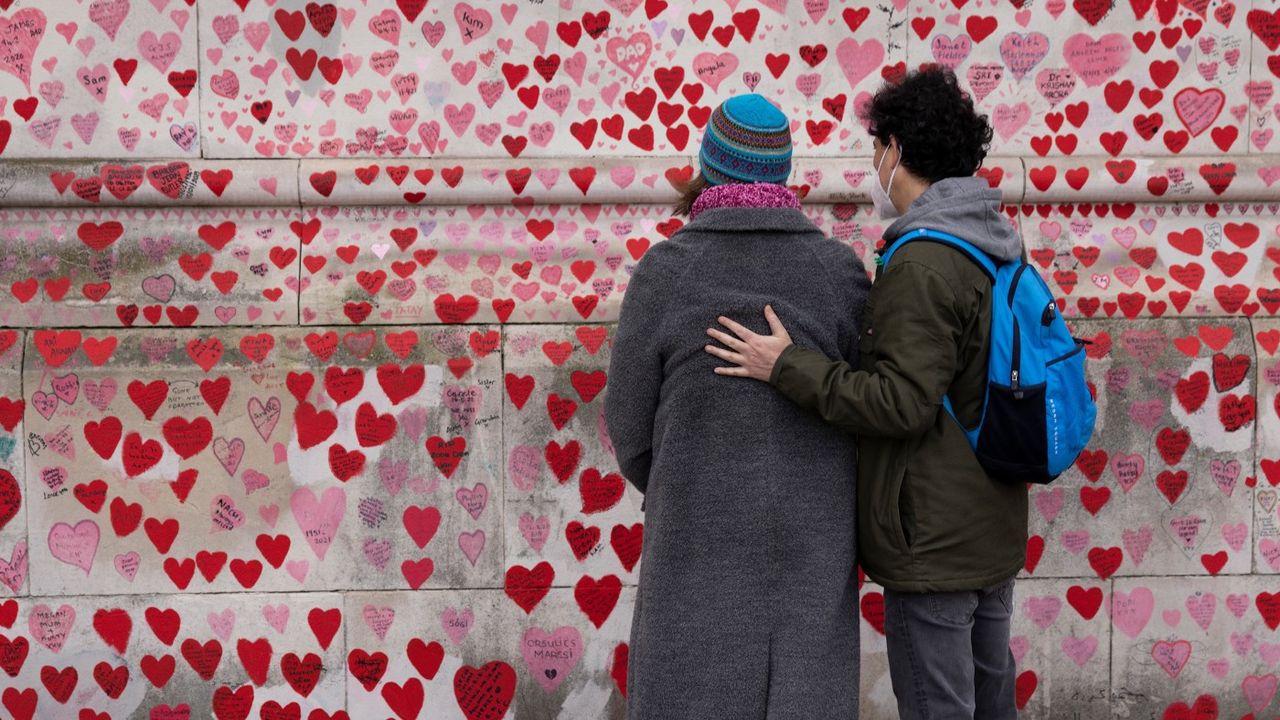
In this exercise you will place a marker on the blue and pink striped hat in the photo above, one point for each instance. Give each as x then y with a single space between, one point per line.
747 140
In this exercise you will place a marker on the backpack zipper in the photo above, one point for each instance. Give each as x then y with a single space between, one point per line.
1017 336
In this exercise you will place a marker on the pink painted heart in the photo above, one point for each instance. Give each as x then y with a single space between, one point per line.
523 467
159 50
1201 608
1147 413
463 402
1219 667
714 68
44 403
386 26
159 287
471 544
224 514
319 518
1096 60
1042 611
378 552
1049 503
1144 346
109 15
1269 652
100 394
264 416
474 499
222 623
1127 469
950 52
75 545
1130 612
984 78
632 55
551 657
857 60
229 453
457 625
1007 120
277 616
379 620
1259 691
413 422
20 35
1080 650
535 530
473 23
1171 656
1021 53
51 628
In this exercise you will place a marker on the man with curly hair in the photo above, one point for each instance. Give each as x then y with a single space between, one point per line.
943 538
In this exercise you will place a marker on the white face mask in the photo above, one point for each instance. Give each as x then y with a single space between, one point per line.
880 195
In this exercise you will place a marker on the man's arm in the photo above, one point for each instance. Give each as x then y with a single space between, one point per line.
916 331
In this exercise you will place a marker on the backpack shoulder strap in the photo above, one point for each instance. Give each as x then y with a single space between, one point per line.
981 258
983 261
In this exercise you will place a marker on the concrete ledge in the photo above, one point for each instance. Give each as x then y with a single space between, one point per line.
634 180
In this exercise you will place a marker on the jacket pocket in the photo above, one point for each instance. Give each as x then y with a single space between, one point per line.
897 494
906 513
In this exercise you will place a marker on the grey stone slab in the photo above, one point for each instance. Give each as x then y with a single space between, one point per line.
1162 487
490 263
149 267
1059 638
876 698
109 78
143 656
57 182
567 504
1264 113
442 79
1206 642
1042 74
1156 260
1266 524
427 650
14 566
232 483
473 264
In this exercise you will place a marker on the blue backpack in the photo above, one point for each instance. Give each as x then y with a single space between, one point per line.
1038 413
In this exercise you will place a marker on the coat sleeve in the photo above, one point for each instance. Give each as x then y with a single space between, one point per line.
917 330
635 374
859 287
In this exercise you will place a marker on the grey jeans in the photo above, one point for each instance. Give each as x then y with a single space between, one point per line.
949 655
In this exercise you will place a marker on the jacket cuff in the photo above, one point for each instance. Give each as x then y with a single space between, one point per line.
781 363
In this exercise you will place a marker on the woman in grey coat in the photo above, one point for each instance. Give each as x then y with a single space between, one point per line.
747 603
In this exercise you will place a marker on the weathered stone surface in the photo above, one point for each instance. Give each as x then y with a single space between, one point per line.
252 460
1162 488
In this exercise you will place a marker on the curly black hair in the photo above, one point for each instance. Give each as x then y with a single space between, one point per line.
940 133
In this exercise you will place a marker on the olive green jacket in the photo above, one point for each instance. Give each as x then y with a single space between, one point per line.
929 517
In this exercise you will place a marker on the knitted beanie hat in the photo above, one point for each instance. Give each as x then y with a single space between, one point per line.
747 140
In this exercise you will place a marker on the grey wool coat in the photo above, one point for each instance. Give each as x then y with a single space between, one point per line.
747 599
